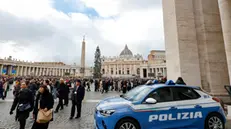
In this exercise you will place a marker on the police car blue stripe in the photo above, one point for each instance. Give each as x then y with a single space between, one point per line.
167 107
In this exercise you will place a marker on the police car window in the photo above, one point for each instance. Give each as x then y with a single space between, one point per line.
162 95
137 93
182 93
140 95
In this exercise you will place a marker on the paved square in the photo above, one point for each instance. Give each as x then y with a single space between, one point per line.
61 119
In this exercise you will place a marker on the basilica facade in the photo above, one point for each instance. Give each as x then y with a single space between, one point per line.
127 65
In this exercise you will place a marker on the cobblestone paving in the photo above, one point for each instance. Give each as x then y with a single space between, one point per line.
61 119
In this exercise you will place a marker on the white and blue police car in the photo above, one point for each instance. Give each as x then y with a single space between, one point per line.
161 106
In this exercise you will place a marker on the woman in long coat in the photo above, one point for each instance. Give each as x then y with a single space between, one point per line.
24 103
44 101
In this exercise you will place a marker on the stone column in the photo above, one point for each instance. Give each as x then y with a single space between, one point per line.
181 45
21 72
9 70
141 73
56 72
30 70
113 69
156 73
17 72
48 71
25 71
42 71
225 12
130 70
109 69
197 55
53 72
33 70
1 67
164 72
38 71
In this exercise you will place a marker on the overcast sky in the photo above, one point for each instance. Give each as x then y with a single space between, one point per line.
52 30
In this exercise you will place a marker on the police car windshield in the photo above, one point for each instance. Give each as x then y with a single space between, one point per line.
137 93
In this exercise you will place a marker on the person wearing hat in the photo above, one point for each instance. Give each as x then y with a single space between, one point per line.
77 97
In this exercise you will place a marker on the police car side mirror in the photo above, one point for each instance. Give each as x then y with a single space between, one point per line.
150 101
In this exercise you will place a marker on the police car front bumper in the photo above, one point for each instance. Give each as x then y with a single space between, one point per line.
102 122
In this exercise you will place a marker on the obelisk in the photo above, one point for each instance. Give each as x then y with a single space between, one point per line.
82 70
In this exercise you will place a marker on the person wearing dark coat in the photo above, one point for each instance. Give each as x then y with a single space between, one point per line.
44 101
33 87
77 97
180 81
23 103
66 93
16 88
124 86
61 95
96 85
1 90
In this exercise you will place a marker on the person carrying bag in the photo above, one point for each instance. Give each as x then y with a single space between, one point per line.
23 103
43 111
44 116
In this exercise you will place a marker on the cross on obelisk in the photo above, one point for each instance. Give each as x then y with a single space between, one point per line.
82 70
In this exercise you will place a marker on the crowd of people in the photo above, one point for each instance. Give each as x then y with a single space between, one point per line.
36 96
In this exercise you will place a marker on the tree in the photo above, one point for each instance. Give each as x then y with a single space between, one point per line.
97 63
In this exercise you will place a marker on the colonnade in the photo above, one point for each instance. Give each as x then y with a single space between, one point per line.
23 70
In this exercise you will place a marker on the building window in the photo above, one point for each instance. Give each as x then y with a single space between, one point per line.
138 71
111 71
103 71
150 70
119 72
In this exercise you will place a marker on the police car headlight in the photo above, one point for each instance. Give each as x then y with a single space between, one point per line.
107 112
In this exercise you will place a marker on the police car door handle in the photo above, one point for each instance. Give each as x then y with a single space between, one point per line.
173 108
198 106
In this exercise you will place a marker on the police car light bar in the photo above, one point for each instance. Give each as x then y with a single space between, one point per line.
155 82
169 82
152 82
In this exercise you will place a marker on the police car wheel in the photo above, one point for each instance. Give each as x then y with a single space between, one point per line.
214 121
127 124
